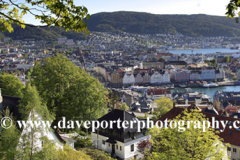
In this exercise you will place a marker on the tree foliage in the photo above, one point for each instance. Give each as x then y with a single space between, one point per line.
11 85
226 59
68 153
193 143
82 142
211 62
232 9
124 107
162 59
96 154
55 12
144 146
8 138
114 100
68 90
33 143
164 104
234 78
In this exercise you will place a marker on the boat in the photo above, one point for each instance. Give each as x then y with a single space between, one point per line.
234 47
210 85
182 85
171 86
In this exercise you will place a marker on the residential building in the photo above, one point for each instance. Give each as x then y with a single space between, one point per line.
155 77
138 78
179 75
61 40
220 97
128 78
120 142
208 74
146 78
157 93
195 75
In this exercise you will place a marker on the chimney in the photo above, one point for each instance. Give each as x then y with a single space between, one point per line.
186 101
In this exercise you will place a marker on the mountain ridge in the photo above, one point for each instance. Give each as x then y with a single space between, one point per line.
139 23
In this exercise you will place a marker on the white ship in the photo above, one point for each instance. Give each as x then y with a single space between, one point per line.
210 85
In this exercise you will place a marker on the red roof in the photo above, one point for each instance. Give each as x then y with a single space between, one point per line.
230 134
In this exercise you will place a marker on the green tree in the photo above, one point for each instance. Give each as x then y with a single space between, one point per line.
3 52
82 142
96 154
214 61
68 153
192 143
226 59
114 100
162 59
32 108
8 138
164 104
68 90
11 85
124 107
60 13
234 78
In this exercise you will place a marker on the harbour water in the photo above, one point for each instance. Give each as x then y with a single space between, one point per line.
210 91
203 51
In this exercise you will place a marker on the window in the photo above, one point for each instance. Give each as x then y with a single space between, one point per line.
234 150
132 147
120 148
109 144
117 146
229 149
103 142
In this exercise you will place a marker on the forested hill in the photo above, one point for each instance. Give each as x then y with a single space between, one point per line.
136 22
145 23
44 33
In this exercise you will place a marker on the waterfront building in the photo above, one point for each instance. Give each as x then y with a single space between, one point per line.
208 74
128 78
179 75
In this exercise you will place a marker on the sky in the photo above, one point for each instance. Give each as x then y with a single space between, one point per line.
209 7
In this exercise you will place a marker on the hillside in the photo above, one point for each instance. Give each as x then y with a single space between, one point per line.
145 23
137 22
49 34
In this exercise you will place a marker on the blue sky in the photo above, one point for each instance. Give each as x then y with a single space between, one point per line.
210 7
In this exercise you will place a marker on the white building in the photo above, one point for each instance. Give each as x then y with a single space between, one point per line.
119 142
208 74
62 40
155 77
128 78
165 78
220 74
195 76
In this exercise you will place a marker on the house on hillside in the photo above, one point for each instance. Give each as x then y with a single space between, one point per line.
120 142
